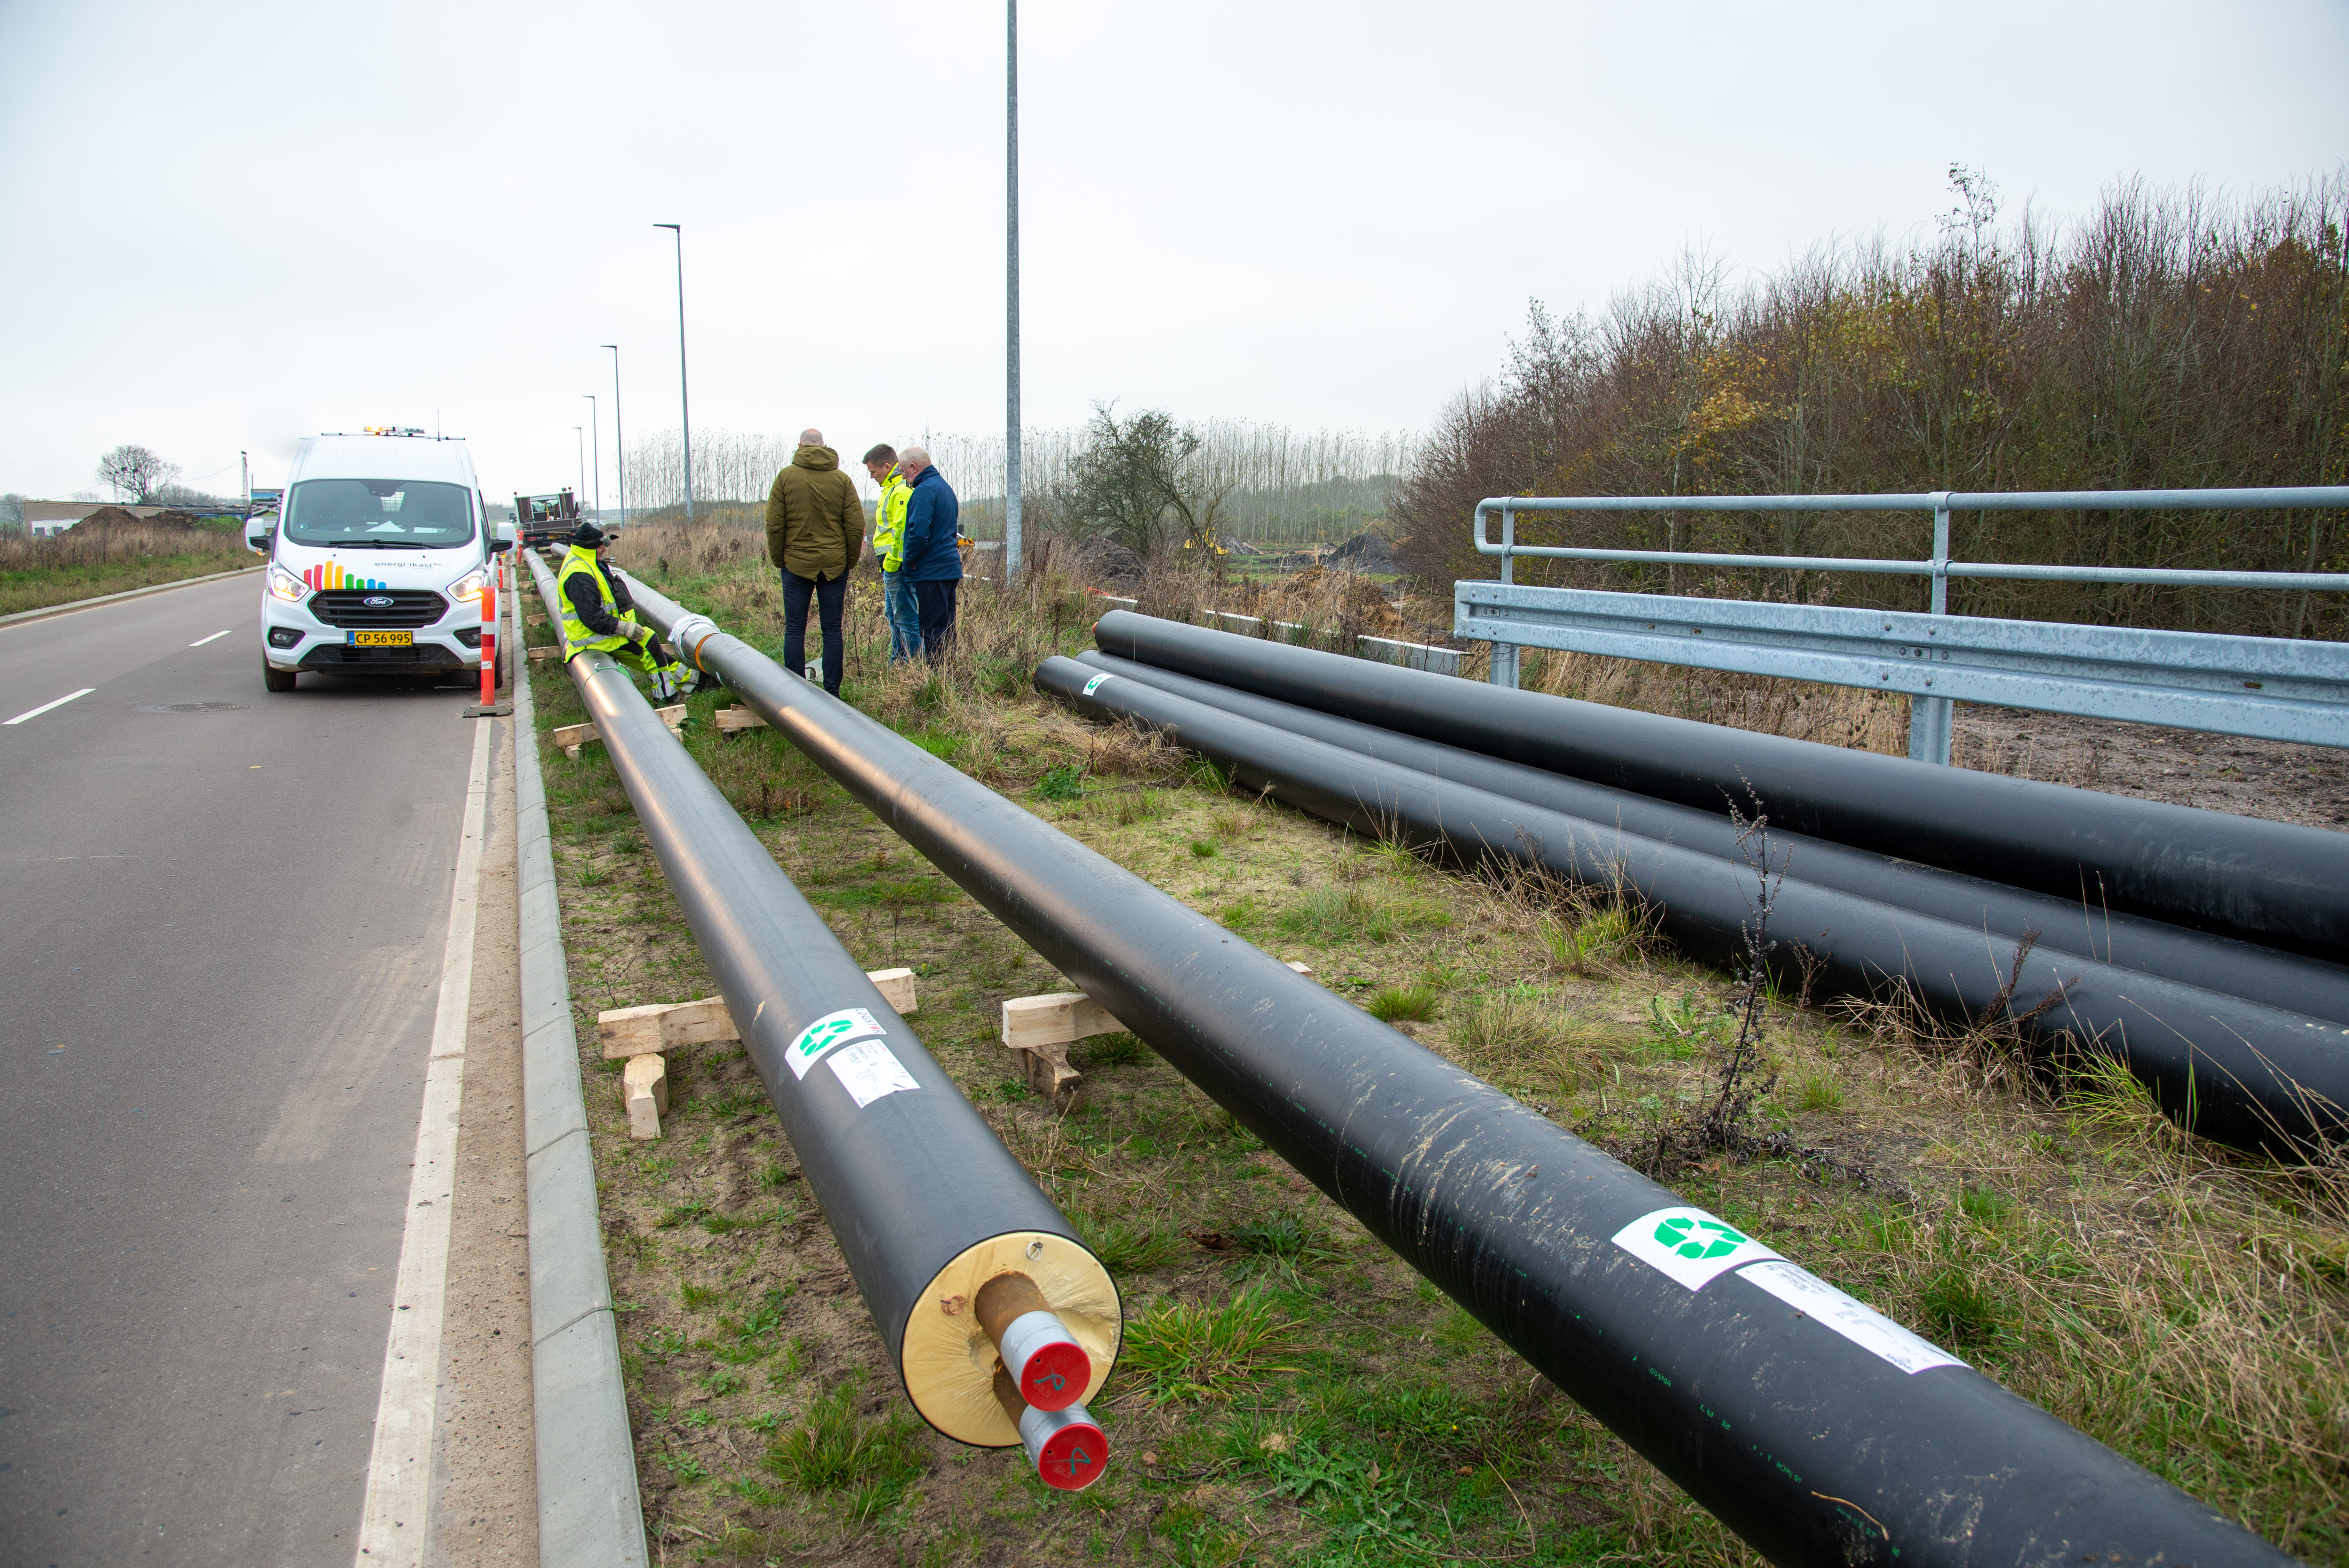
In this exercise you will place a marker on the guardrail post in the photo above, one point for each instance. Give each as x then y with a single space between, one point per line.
1504 655
1928 717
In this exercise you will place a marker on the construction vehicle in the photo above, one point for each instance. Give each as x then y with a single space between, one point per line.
541 519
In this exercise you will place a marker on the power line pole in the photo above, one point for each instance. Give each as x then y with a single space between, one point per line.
596 452
1011 289
684 402
619 443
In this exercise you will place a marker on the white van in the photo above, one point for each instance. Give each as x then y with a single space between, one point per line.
380 549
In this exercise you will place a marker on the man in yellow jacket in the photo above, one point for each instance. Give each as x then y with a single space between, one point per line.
599 616
888 537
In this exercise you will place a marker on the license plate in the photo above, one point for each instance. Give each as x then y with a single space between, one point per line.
382 639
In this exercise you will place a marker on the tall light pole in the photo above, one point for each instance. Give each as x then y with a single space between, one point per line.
583 460
684 402
596 452
619 445
1011 289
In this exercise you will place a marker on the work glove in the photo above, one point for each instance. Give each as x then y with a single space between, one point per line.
636 632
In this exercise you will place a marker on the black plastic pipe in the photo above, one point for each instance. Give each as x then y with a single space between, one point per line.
2197 958
2235 1070
1819 1431
2260 882
927 1203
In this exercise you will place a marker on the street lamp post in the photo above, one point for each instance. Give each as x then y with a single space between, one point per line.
684 400
1011 291
582 434
619 444
596 453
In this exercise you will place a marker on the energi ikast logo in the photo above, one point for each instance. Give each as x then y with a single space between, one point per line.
1690 1245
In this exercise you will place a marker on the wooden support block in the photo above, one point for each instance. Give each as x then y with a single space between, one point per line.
645 1090
1029 1022
632 1032
572 737
738 717
1300 968
546 651
896 985
1038 1030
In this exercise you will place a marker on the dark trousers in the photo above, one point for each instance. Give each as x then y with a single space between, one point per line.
936 603
828 596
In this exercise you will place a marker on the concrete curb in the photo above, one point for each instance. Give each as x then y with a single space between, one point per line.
589 1513
68 608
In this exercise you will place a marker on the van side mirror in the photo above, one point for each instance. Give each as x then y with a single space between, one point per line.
257 531
500 546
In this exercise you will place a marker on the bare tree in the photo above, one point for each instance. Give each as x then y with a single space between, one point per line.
1144 482
135 473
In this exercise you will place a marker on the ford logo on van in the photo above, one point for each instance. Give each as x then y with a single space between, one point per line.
378 600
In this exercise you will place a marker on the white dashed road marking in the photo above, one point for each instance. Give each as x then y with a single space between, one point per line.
36 712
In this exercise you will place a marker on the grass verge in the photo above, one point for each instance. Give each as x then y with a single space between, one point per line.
1291 1392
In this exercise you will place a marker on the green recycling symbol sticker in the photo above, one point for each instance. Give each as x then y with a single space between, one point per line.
1699 1238
1690 1245
832 1029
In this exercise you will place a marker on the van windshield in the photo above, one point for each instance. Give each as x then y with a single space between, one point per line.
395 514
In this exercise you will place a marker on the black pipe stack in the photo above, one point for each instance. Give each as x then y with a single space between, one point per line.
1817 1429
2241 1040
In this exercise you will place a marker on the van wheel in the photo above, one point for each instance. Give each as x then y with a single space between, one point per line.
276 679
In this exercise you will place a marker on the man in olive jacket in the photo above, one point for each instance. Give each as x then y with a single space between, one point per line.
815 533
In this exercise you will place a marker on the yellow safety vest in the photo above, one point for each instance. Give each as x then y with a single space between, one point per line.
889 519
574 630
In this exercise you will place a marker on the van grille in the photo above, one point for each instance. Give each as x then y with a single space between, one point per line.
348 608
422 656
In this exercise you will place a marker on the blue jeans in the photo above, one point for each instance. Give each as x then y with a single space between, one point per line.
797 590
905 618
937 603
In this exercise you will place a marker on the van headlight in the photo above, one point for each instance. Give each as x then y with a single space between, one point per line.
284 584
468 588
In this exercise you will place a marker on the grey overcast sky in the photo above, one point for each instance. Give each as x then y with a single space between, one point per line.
226 226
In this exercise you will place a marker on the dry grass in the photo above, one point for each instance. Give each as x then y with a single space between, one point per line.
84 564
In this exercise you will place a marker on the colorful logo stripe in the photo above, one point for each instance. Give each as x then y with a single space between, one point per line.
330 576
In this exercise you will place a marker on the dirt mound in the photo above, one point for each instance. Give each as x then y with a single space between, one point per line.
1339 601
1365 552
108 518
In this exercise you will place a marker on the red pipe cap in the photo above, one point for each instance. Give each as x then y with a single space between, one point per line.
1055 1376
1074 1457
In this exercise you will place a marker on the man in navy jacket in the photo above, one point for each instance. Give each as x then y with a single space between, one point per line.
933 564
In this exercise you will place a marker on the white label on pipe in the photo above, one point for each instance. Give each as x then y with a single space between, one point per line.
869 1070
1690 1245
1094 685
1855 1320
832 1029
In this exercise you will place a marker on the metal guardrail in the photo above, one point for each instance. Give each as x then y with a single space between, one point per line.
2272 687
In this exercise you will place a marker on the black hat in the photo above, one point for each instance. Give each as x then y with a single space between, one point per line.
587 536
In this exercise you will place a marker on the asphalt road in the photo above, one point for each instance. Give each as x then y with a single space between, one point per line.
225 913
